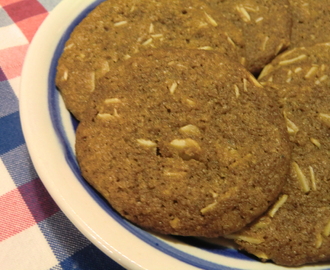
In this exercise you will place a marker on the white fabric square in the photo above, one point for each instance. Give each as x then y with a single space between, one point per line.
11 36
6 183
27 250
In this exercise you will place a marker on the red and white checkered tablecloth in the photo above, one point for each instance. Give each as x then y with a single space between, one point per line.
34 233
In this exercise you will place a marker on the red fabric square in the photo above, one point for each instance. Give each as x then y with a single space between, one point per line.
11 61
21 10
30 26
2 76
14 215
38 200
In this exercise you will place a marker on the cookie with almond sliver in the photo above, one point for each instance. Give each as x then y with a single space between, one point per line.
296 229
116 30
183 142
265 24
311 22
301 65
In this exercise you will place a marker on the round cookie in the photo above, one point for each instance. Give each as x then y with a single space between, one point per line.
115 30
266 27
311 22
183 142
296 230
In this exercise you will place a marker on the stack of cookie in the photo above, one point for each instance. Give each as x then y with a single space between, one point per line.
181 138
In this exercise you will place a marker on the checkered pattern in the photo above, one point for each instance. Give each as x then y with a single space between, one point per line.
34 233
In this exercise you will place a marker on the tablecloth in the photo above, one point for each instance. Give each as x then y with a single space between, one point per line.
34 232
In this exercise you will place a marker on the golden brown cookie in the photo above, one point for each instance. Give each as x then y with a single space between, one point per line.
115 30
265 24
296 229
303 65
311 22
183 142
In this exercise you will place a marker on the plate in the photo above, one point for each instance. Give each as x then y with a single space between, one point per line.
49 130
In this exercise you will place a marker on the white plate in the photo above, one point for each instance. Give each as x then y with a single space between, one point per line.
49 132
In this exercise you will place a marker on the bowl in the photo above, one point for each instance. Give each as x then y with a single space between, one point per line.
49 131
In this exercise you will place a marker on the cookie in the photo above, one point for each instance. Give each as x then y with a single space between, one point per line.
266 27
288 67
183 142
114 31
296 229
311 22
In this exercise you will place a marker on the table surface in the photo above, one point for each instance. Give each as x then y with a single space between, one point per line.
34 232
